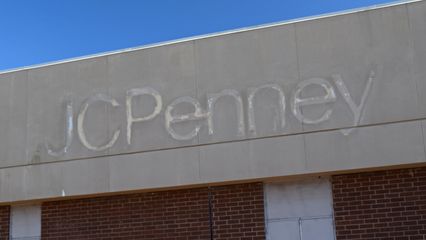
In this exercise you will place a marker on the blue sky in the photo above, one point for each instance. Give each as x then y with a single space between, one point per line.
34 32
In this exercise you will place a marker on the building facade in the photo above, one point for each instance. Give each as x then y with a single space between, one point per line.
311 129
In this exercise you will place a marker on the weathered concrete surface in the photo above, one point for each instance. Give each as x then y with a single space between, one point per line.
388 41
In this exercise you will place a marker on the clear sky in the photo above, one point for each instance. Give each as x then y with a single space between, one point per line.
34 32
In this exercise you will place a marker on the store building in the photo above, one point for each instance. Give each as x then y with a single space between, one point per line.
311 129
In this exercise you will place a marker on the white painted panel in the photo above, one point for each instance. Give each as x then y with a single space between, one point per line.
317 229
283 230
299 210
26 222
310 197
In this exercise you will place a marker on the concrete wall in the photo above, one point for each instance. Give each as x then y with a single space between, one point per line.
386 46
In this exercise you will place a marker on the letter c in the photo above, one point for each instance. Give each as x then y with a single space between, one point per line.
81 117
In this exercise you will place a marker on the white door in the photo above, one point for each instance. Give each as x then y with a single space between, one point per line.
299 210
25 222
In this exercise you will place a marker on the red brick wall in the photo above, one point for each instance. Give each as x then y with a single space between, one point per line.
4 222
179 214
381 205
238 212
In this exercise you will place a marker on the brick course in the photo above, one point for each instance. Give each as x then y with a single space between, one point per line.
4 222
380 205
181 214
178 214
238 212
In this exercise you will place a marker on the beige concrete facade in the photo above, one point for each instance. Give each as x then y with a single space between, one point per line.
375 119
